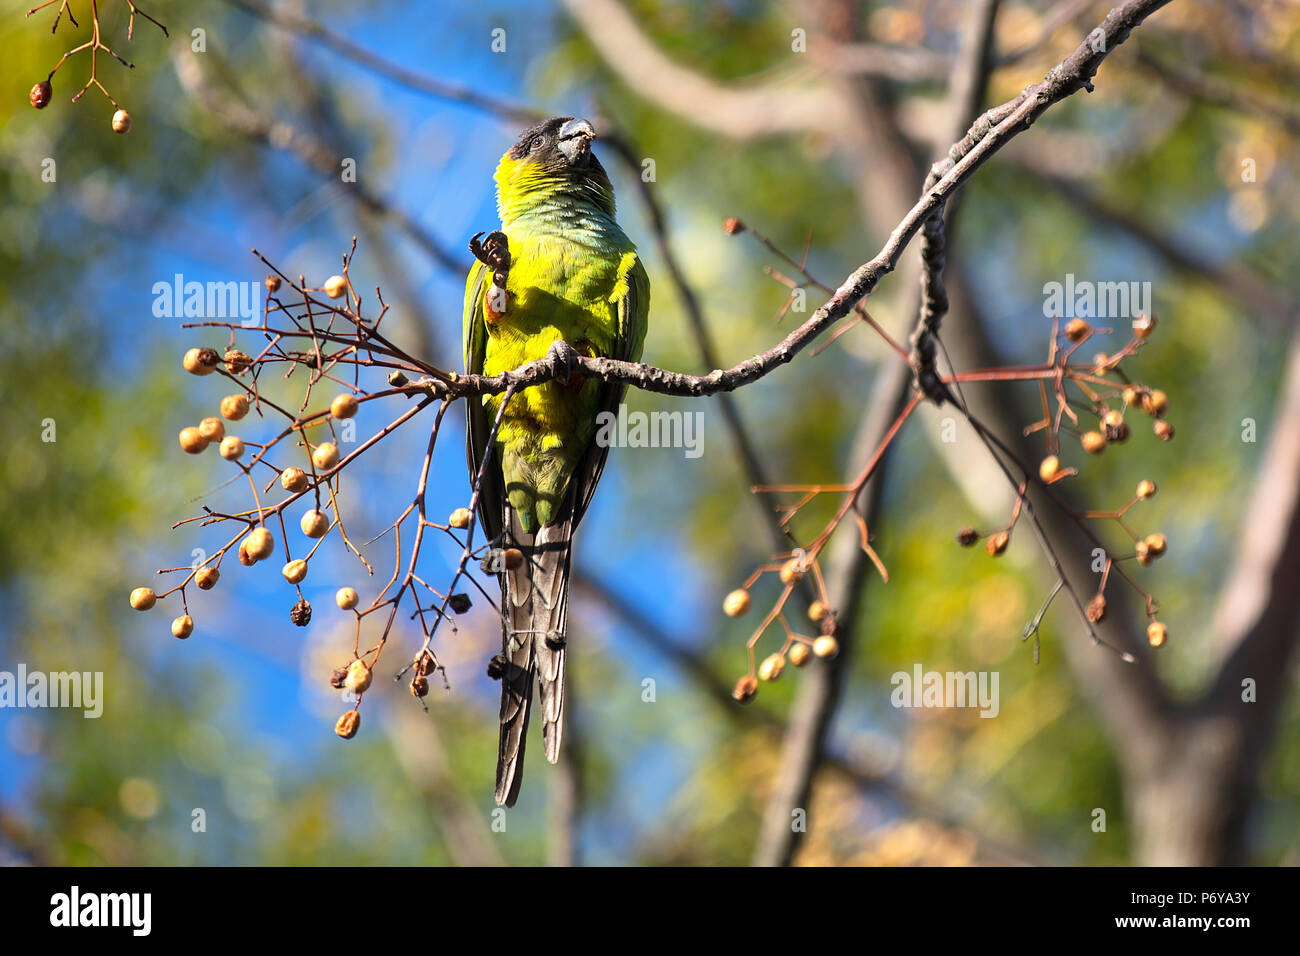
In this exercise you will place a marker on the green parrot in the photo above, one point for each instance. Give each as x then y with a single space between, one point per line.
559 272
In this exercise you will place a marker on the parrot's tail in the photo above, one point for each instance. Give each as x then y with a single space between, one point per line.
534 623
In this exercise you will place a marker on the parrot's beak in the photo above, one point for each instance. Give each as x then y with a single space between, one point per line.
574 141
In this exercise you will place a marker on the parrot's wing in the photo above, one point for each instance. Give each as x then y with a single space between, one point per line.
631 300
491 502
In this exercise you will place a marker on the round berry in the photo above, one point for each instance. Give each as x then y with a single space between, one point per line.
295 570
183 626
234 407
343 406
335 287
212 428
41 94
346 598
192 440
121 121
142 599
359 677
231 447
206 578
325 456
200 361
294 480
459 518
736 603
259 543
314 524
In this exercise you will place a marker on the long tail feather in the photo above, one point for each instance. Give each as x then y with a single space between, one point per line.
535 599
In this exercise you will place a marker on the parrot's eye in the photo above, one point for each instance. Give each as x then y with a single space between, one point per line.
535 144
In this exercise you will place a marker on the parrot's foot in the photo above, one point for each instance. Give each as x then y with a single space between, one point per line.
494 252
563 361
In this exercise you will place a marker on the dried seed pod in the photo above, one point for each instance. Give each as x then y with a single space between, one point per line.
234 407
245 558
201 361
1157 633
237 362
419 686
212 428
347 725
459 518
231 448
338 676
1164 431
826 646
344 406
736 603
997 543
346 598
1094 443
359 677
300 613
192 440
1096 609
41 94
1076 330
745 689
325 455
335 287
183 626
294 571
314 524
1155 403
967 537
1146 488
459 603
206 578
294 480
260 544
771 667
142 599
799 654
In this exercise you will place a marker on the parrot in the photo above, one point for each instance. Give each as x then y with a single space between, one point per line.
559 274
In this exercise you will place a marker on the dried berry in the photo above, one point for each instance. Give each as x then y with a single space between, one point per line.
799 654
1094 443
736 603
346 598
183 626
967 536
325 456
234 407
338 676
121 121
294 480
792 571
459 518
259 543
732 226
419 686
206 578
1145 488
231 448
142 599
745 689
816 611
335 287
1076 330
1096 610
294 571
1156 544
1049 469
997 543
192 440
826 646
359 677
201 361
300 613
272 283
459 603
1157 633
1164 431
41 94
771 667
314 524
347 725
237 361
344 406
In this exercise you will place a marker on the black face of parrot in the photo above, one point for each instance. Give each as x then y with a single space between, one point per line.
562 144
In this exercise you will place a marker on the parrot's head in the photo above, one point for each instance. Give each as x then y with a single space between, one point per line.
552 162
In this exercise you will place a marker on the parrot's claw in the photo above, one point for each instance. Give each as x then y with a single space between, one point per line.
493 252
563 360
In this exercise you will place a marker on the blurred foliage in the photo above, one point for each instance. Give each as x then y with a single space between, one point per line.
84 519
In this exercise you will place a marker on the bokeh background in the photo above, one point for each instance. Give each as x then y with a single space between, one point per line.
239 146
